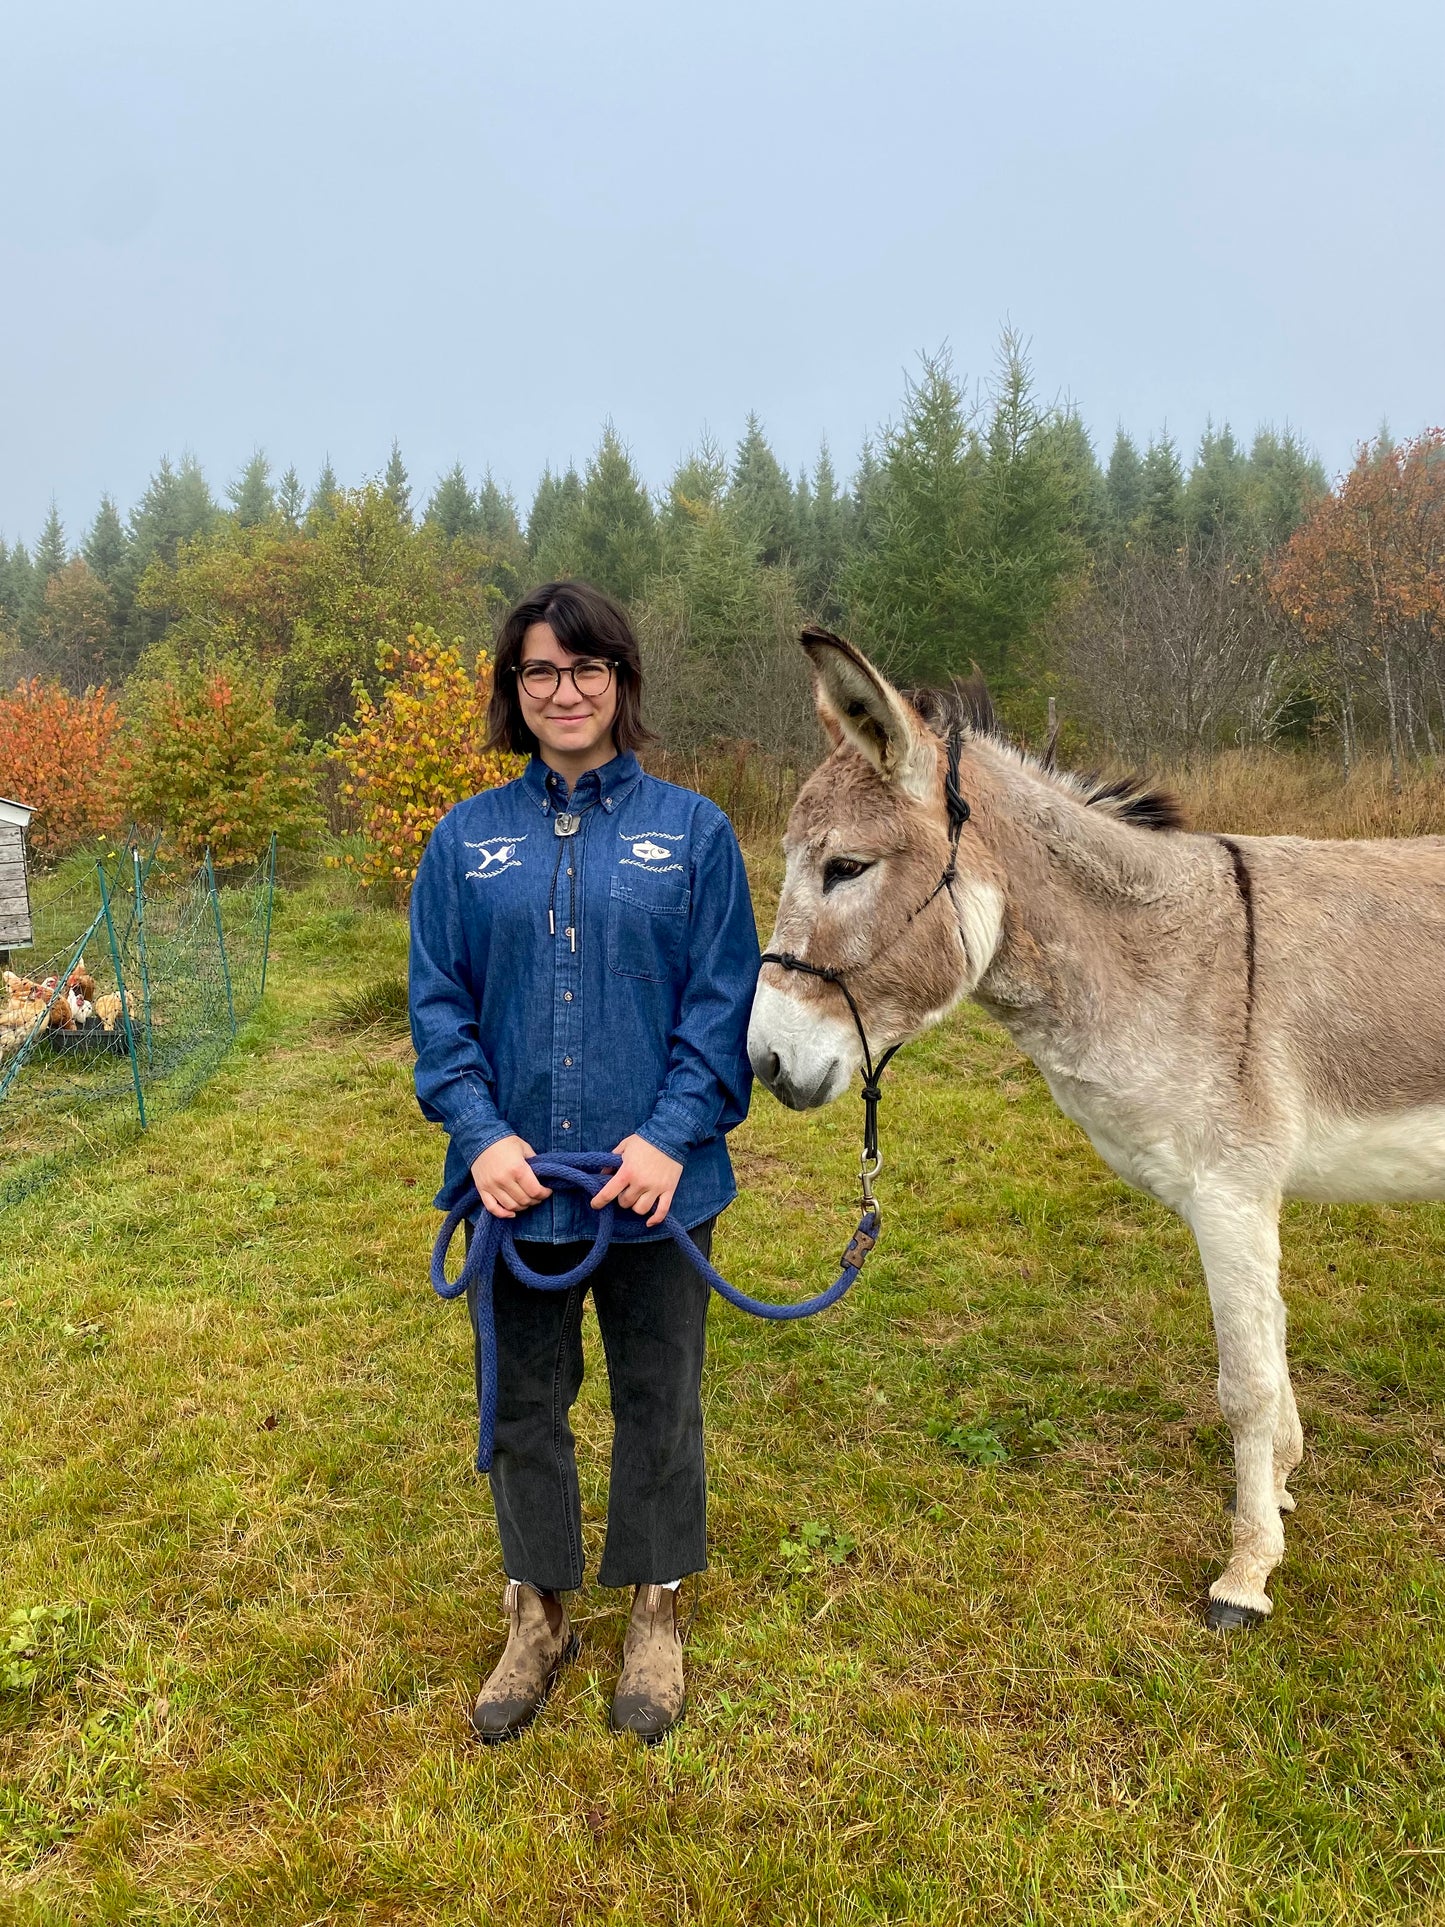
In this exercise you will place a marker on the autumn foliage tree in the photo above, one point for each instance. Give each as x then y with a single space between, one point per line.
210 764
58 754
415 752
1363 582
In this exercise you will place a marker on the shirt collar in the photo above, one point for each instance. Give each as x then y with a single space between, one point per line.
607 785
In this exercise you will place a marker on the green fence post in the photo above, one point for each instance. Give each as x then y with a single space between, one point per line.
140 1102
270 899
220 938
140 943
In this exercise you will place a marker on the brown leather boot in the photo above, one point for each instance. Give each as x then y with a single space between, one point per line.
650 1694
539 1645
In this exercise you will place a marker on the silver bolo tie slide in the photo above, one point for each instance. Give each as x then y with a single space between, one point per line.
565 824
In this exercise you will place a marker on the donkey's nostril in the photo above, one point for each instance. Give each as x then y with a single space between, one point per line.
768 1066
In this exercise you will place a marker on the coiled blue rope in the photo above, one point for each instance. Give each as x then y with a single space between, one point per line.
580 1171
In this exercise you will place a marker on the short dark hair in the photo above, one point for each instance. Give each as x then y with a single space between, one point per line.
587 622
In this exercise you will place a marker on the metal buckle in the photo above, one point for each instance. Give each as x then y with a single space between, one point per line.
868 1169
566 824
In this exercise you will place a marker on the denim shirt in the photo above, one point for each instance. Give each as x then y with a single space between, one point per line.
577 989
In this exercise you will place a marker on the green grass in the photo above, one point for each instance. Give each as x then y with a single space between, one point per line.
949 1664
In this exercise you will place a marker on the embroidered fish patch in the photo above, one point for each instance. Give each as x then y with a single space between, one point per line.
650 851
496 853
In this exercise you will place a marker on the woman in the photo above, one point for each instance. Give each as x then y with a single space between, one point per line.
583 957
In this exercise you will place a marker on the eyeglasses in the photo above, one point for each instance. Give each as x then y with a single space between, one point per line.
543 679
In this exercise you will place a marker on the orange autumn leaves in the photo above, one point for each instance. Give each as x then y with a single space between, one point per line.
57 754
414 753
1369 564
204 756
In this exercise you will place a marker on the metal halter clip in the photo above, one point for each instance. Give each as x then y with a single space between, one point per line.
868 1169
566 824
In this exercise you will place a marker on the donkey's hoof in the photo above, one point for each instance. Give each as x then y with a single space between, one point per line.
1225 1617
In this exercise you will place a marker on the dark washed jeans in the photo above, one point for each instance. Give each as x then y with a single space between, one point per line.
652 1310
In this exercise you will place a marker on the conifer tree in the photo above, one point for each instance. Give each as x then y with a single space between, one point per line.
497 514
904 579
552 523
453 508
396 485
291 500
1084 481
1216 506
615 533
15 574
823 542
51 553
698 485
106 545
1124 487
1284 482
196 507
1161 519
251 497
762 496
324 497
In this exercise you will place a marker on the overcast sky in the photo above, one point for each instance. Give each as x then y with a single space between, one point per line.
311 227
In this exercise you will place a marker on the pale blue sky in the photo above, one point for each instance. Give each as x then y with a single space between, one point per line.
312 226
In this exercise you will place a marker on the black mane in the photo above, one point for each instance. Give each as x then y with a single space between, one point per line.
967 708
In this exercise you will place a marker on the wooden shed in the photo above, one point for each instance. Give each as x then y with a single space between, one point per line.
15 927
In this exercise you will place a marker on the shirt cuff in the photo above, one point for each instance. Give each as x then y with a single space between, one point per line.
674 1129
475 1132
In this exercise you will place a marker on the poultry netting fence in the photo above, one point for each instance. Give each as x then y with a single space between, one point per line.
132 990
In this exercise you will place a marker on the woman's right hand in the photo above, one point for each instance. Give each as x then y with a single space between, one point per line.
505 1181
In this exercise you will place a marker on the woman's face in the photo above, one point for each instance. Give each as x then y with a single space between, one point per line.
569 722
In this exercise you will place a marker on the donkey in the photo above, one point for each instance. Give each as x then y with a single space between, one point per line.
1231 1020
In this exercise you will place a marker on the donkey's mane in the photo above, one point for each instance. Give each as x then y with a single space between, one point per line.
966 708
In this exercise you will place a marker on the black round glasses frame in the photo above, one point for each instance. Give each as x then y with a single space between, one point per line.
542 680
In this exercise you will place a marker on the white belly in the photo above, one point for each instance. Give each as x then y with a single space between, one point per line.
1372 1160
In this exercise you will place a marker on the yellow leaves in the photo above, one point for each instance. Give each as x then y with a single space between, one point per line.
416 752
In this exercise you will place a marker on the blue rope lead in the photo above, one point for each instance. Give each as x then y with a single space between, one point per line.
580 1171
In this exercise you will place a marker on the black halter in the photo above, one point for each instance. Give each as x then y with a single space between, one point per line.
871 1160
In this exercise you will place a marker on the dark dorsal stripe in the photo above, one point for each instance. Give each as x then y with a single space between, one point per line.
1244 883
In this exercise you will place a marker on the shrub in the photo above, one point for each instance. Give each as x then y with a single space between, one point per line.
213 766
416 752
57 753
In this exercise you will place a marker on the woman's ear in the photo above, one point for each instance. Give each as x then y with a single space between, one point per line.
858 706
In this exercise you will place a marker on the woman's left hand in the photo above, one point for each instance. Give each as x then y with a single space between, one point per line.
645 1183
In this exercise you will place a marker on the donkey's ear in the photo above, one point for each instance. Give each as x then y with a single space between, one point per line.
856 705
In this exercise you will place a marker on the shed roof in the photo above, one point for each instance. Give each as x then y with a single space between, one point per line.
13 812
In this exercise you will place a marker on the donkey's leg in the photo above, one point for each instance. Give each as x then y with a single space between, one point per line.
1238 1238
1289 1442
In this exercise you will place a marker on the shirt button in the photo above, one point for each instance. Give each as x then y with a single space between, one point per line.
566 996
568 1062
566 1124
607 802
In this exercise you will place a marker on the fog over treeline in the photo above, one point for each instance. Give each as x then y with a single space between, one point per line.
984 525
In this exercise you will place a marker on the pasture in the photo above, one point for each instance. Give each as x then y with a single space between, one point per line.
949 1663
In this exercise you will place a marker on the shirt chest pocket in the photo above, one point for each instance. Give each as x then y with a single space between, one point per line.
647 930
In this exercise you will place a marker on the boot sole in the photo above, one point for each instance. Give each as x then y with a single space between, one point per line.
568 1653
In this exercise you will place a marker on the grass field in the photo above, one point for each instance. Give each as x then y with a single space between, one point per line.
949 1664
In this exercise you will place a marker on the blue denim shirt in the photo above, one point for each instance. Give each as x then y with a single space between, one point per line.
579 989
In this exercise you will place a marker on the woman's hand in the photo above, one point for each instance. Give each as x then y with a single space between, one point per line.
505 1181
646 1181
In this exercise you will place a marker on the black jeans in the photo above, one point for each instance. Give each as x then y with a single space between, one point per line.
652 1310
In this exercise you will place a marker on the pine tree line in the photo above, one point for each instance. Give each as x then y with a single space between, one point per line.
967 526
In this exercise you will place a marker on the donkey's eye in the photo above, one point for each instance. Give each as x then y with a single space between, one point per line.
842 869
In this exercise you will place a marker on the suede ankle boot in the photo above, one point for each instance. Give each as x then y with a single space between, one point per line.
539 1644
650 1694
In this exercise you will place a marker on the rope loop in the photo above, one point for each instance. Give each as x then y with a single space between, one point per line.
582 1171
